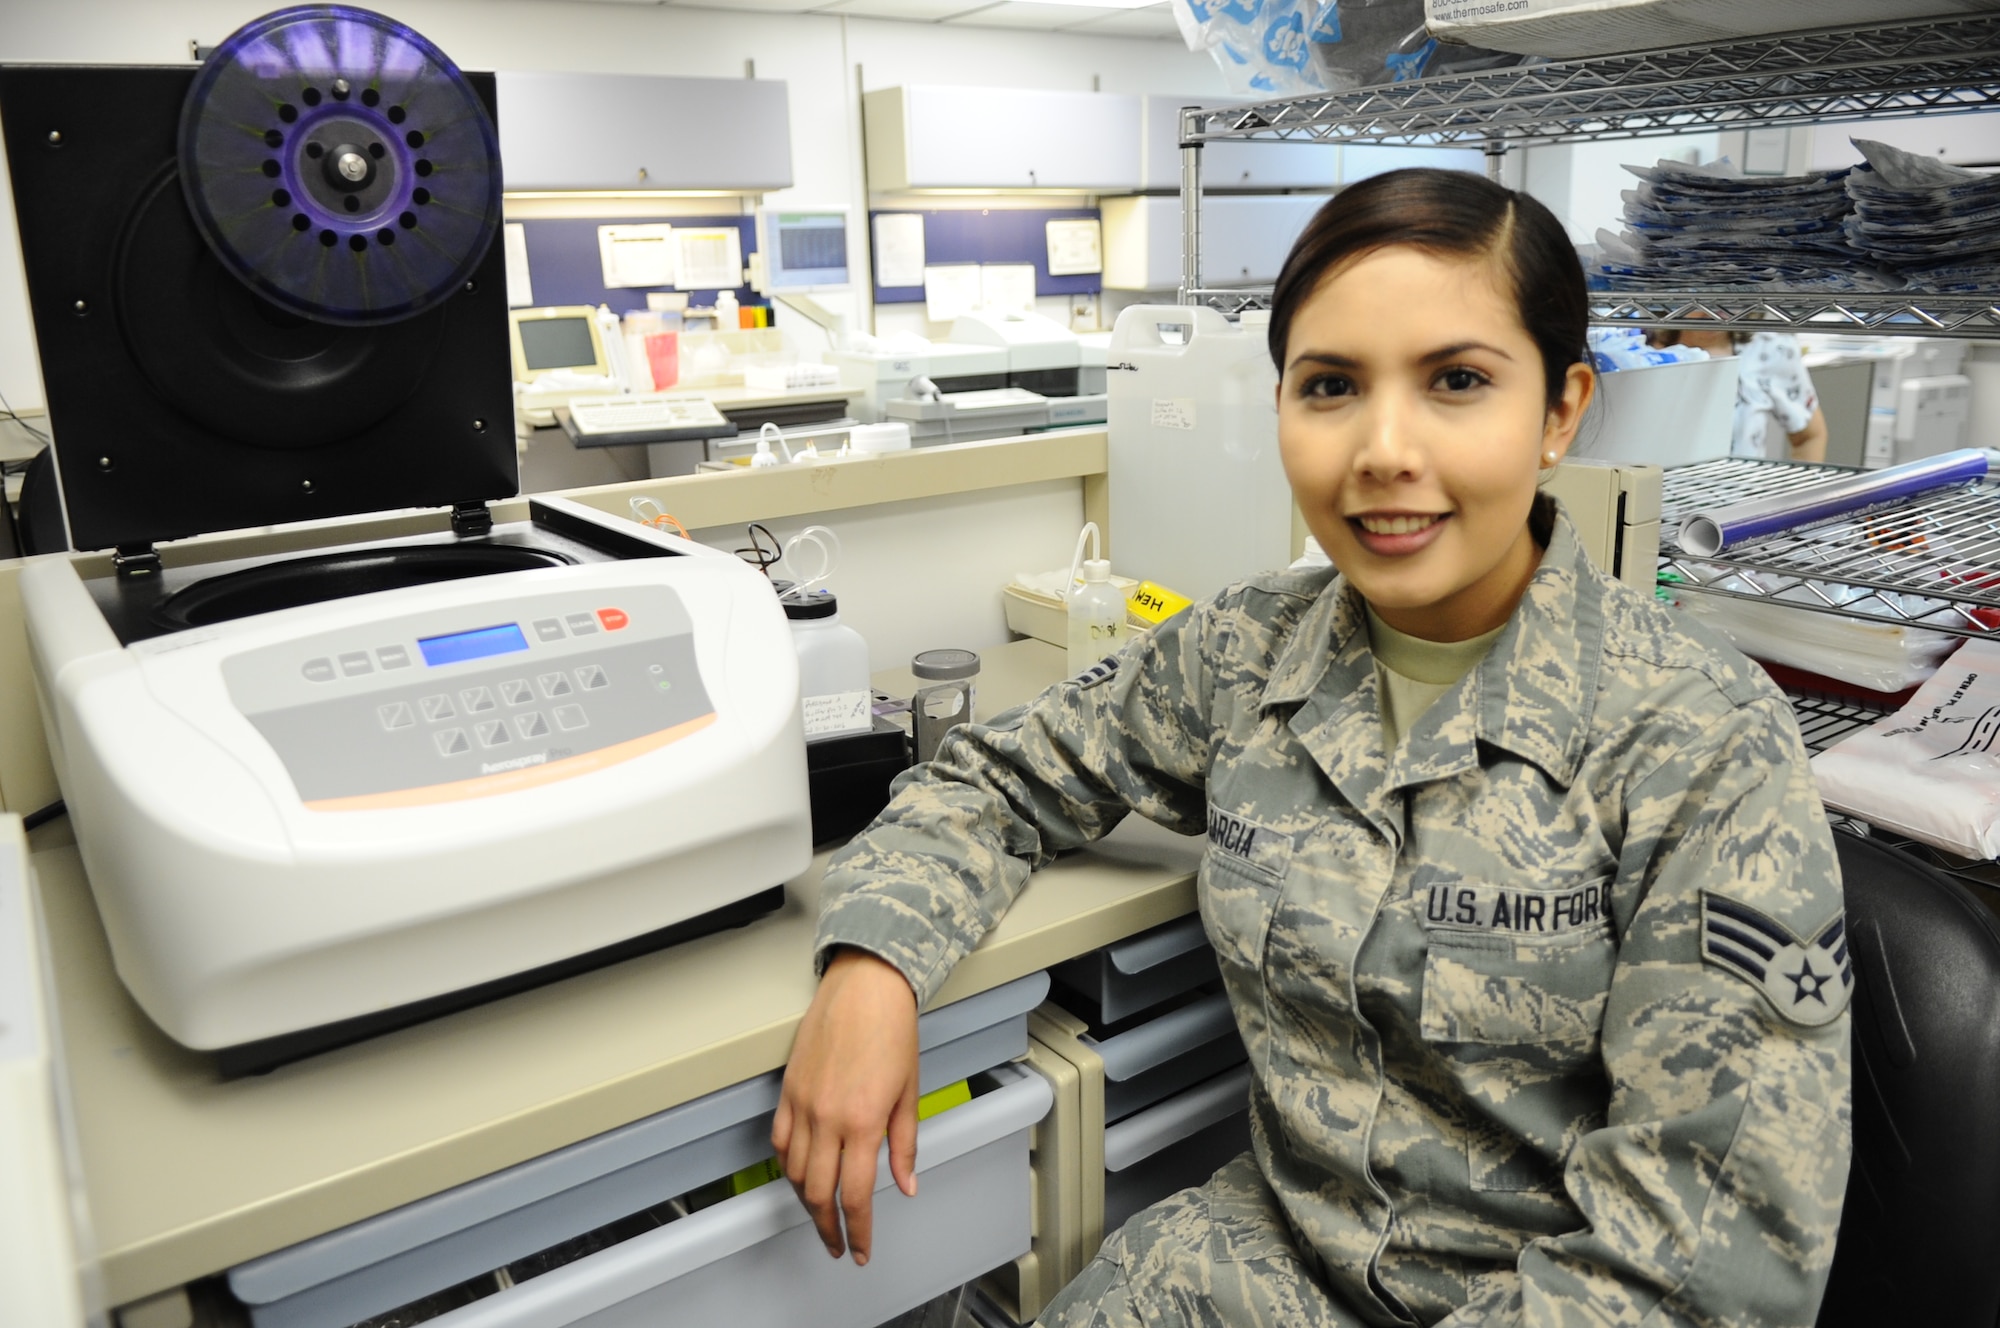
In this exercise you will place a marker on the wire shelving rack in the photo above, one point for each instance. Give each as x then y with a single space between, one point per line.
1939 67
1932 561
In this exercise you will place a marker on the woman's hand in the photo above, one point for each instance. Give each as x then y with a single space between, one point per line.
852 1077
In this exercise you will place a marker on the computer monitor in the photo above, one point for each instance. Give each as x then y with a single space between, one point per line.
805 250
563 337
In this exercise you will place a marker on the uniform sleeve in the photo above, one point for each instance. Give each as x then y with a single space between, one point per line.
1790 386
935 871
1712 1193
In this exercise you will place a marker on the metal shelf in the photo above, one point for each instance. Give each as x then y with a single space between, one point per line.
1801 309
1750 309
1928 561
1941 66
1937 67
1825 720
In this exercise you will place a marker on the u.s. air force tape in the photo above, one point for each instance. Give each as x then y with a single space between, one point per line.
1476 906
1808 981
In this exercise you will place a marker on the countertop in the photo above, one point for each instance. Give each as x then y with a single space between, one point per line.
187 1174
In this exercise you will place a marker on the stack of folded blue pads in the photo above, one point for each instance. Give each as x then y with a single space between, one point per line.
1936 226
1694 226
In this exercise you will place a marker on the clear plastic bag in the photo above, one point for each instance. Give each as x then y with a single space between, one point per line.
1930 770
1881 657
1287 48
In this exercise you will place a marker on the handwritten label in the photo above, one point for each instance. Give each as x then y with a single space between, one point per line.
836 712
1173 413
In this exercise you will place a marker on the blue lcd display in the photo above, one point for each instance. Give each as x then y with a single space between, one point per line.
477 644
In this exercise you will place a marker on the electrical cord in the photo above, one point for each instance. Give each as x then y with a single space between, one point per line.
7 409
41 816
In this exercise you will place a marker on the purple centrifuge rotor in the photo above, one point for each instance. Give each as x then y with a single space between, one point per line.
340 165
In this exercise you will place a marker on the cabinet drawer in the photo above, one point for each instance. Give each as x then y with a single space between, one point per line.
1176 1167
490 1223
755 1261
1140 971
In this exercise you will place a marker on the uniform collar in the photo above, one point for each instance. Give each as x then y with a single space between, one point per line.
1531 696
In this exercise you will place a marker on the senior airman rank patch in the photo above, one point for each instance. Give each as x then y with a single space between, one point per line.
1807 981
1104 670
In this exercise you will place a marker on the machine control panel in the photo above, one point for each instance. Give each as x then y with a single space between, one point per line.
475 700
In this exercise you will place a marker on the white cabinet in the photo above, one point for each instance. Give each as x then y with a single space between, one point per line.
938 137
1243 240
636 131
1230 165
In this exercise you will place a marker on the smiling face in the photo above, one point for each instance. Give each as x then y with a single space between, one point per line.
1413 419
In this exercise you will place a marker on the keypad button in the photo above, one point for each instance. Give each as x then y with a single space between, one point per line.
613 619
396 715
531 725
355 663
436 707
555 684
451 742
591 676
571 717
492 732
318 670
549 629
581 624
477 699
517 691
392 657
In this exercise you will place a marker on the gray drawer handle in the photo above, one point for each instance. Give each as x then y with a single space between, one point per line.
638 1265
1136 954
1160 1040
1137 1138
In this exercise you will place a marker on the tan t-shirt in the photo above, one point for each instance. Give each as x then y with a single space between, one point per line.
1411 672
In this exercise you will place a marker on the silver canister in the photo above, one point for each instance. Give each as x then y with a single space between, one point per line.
947 702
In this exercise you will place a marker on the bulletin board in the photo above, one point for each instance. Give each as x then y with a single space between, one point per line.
989 235
565 267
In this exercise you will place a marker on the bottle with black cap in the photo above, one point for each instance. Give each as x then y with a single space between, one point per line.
833 666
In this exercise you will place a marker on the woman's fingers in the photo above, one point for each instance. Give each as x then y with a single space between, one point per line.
903 1140
857 1193
819 1190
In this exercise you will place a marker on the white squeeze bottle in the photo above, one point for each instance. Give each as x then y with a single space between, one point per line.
1096 609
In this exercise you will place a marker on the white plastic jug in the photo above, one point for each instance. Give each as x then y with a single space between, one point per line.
1198 495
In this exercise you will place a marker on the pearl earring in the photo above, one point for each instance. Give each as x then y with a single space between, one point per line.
1549 457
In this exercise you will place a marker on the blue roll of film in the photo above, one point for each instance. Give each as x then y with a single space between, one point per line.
1705 534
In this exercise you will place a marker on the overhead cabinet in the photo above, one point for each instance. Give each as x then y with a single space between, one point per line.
1243 240
937 137
1231 165
636 131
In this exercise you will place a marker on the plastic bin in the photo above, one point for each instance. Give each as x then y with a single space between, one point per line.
1664 415
752 1259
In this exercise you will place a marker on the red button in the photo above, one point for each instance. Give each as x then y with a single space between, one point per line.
613 619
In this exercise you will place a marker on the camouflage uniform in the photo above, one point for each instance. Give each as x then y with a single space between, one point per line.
1546 1007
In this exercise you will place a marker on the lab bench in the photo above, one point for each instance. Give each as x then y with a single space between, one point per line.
189 1176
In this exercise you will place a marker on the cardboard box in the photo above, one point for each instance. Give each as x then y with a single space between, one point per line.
1568 28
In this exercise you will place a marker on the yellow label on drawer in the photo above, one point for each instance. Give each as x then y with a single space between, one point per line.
1156 604
944 1099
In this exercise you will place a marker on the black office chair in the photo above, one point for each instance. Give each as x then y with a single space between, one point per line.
1920 1233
